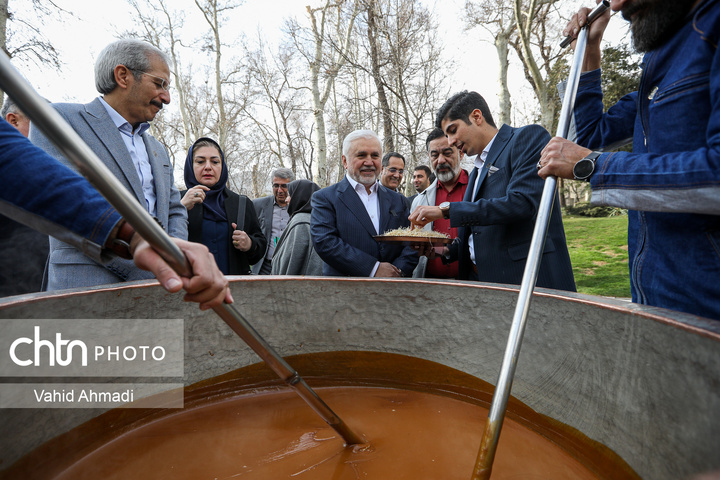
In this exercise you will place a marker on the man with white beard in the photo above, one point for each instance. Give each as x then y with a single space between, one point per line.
449 186
348 215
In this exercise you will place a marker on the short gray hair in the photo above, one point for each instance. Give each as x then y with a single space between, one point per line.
284 173
357 134
133 53
9 106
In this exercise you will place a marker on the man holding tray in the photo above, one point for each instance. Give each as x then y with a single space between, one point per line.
348 215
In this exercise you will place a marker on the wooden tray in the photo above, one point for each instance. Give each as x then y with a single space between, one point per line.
413 241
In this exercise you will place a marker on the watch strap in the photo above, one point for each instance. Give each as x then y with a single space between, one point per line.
592 156
120 243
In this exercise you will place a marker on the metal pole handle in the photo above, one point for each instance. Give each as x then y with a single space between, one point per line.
595 13
90 166
498 407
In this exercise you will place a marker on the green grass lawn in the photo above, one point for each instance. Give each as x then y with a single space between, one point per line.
598 251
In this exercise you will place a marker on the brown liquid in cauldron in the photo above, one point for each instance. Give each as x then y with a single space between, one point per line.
412 435
267 432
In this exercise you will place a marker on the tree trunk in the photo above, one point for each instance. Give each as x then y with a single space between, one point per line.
501 46
3 35
318 105
178 80
3 25
320 98
389 143
222 117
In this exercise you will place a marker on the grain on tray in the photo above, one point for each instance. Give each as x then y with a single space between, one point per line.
409 232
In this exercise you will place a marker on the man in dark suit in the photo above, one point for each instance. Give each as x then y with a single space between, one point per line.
133 78
347 215
391 175
497 216
272 214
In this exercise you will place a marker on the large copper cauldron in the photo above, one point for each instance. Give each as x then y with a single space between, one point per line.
643 382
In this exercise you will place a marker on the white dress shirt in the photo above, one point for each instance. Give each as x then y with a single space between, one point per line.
479 164
138 154
372 206
369 200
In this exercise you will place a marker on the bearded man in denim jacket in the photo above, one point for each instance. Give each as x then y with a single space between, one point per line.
670 182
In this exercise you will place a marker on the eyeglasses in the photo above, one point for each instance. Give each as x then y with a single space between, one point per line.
164 84
394 170
280 185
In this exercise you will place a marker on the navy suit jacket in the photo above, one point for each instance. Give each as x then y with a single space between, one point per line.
501 217
343 233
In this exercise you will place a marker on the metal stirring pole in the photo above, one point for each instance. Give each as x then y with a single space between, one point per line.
491 434
91 167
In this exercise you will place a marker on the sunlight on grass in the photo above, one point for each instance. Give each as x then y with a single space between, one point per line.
598 251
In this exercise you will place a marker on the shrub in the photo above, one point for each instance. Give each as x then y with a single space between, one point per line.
584 209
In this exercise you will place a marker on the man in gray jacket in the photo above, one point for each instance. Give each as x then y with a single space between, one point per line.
273 215
133 79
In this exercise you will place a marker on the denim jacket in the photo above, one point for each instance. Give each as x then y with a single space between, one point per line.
671 180
42 193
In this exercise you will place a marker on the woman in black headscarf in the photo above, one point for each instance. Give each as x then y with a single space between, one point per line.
294 253
220 219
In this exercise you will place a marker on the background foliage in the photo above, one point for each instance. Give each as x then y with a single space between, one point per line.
599 255
289 101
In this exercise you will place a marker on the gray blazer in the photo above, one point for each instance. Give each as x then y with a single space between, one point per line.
67 266
264 209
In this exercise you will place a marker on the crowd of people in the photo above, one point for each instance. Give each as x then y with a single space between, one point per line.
670 182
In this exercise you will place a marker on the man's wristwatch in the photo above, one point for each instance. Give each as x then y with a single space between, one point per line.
584 169
445 209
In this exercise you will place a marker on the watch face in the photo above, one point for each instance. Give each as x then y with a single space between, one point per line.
583 169
445 209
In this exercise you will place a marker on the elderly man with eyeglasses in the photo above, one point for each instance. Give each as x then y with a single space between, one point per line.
273 216
133 79
393 168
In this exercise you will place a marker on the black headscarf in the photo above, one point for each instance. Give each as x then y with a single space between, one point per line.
300 192
214 204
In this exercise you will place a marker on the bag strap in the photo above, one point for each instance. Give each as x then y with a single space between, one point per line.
241 212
